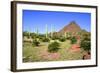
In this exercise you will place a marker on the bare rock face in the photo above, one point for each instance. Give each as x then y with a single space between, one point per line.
71 27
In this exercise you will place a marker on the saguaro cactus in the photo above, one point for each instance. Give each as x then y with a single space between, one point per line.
37 31
46 31
51 31
65 34
29 35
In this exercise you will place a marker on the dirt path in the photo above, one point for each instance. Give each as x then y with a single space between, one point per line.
75 48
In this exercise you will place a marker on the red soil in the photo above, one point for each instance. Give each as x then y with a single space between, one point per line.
50 56
75 48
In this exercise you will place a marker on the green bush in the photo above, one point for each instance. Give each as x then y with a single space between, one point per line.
45 39
26 34
69 38
35 43
55 37
62 39
73 40
86 45
53 47
86 42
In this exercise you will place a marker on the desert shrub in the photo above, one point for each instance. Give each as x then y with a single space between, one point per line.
73 40
35 43
86 45
25 33
45 39
86 41
86 37
69 38
54 38
53 47
62 39
33 35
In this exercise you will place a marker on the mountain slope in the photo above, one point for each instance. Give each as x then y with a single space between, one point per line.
71 27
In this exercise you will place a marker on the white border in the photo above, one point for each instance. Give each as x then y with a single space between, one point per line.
21 65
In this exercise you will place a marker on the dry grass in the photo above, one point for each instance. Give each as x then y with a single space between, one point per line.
40 53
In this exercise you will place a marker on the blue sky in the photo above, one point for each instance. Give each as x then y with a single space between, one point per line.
33 19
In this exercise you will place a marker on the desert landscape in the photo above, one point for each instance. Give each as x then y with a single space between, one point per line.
69 43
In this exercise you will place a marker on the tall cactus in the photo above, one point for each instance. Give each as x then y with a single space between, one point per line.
37 31
65 34
29 35
51 31
46 31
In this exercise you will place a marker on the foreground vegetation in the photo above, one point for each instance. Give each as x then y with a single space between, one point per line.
45 47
